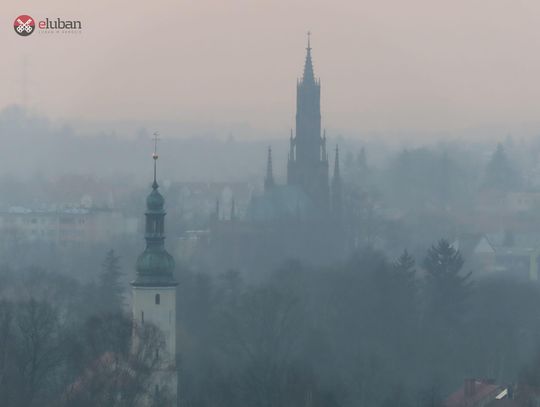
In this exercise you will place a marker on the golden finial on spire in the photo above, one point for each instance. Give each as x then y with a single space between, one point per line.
156 138
155 157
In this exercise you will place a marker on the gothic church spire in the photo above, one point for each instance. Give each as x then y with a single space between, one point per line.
337 174
337 200
309 75
269 180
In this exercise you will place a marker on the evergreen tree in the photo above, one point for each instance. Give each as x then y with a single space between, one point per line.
446 300
404 266
404 299
111 289
447 288
500 174
405 276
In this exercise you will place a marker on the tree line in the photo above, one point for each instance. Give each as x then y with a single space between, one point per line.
368 331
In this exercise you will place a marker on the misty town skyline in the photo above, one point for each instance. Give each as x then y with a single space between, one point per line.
205 204
382 73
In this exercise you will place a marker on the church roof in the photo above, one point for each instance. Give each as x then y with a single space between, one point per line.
281 202
155 267
309 75
155 201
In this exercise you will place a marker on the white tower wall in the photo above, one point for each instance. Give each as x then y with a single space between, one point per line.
162 315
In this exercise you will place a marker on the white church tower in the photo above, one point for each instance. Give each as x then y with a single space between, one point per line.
154 288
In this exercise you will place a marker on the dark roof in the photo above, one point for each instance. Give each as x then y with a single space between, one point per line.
467 243
504 403
483 390
280 203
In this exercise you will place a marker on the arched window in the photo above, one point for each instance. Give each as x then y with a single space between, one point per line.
158 299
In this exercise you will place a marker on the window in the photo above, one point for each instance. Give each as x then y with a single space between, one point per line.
142 317
158 299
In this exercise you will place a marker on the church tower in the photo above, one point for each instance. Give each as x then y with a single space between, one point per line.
154 287
308 162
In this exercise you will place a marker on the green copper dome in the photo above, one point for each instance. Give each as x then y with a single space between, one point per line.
155 266
155 201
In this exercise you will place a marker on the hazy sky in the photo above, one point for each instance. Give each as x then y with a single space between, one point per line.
384 64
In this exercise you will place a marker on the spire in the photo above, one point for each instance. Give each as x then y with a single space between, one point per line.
155 157
337 202
323 150
291 147
269 180
336 165
155 266
309 76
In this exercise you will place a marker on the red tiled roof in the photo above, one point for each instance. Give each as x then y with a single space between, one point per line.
504 403
483 391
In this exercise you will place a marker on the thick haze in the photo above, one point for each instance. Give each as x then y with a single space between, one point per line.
385 65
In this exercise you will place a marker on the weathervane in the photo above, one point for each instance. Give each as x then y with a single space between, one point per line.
155 157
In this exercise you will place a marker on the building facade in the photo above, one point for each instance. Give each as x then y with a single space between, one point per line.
65 225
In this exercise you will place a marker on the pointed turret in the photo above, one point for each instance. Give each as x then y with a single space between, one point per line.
269 180
337 174
291 161
291 147
309 75
336 188
324 155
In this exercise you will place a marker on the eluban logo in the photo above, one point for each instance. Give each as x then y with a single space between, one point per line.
24 25
59 24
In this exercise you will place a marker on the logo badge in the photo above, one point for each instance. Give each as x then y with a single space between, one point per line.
24 25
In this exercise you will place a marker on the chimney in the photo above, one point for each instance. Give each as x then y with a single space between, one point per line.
511 392
469 387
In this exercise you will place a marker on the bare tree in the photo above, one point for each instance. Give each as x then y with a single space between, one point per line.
127 364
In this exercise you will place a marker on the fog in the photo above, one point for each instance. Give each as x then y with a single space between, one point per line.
386 66
204 206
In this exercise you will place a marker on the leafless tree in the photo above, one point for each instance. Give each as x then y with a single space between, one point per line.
126 371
